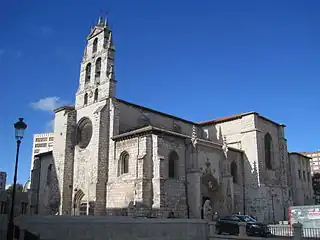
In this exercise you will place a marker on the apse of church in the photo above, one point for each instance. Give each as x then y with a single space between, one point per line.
118 158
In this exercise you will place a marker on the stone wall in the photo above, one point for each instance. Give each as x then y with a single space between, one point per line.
121 228
45 195
63 154
116 228
239 181
86 160
172 190
263 188
274 182
126 188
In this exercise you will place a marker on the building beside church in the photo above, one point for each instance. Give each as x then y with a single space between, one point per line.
300 179
42 143
3 180
114 157
315 160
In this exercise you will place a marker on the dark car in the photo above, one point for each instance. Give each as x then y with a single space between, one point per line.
230 226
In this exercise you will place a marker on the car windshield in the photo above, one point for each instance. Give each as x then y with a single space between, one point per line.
246 218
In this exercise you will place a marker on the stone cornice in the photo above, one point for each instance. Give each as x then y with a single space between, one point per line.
144 131
67 108
251 130
150 129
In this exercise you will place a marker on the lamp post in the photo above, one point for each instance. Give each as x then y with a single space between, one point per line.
19 126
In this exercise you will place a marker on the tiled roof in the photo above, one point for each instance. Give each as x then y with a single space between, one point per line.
300 154
225 119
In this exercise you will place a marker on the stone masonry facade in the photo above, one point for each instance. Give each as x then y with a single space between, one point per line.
113 157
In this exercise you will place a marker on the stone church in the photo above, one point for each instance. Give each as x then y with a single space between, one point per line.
113 157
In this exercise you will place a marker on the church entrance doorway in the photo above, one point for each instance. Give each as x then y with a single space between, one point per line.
211 190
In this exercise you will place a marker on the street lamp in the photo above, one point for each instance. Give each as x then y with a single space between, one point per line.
19 126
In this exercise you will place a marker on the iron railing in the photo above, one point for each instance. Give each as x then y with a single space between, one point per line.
287 231
313 233
281 230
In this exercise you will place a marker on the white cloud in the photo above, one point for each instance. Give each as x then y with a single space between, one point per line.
48 104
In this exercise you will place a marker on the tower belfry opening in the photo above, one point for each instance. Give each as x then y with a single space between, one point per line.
97 66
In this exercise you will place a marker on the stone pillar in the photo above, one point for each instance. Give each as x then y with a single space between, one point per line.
297 231
194 193
103 129
212 228
242 229
68 164
158 177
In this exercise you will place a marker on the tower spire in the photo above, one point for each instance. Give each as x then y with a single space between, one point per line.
106 19
100 21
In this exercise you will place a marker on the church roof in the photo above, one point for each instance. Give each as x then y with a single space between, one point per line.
225 119
236 116
209 122
69 108
157 112
204 123
43 154
300 154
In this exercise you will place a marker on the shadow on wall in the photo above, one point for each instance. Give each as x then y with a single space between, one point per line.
134 209
246 185
54 191
45 189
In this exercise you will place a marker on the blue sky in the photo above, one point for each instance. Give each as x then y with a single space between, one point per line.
198 60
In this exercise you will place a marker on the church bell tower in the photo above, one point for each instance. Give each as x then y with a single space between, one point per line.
97 75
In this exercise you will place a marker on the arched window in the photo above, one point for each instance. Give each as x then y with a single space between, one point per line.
88 73
95 45
124 163
96 95
268 151
234 172
84 132
173 164
85 101
98 68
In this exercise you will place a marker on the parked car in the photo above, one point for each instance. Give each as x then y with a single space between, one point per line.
229 225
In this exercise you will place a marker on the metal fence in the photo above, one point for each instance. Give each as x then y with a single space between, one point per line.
281 230
311 233
287 231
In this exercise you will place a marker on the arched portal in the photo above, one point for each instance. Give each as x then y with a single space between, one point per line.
77 197
210 189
